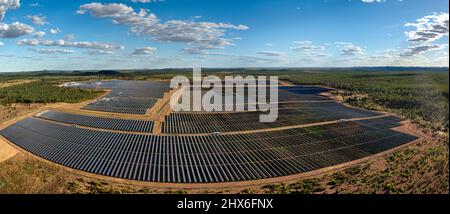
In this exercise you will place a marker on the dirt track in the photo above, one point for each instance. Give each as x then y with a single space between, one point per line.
6 150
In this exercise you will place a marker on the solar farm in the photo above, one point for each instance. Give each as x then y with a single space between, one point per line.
131 133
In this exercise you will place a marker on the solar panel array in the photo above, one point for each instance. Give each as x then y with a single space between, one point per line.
94 144
199 159
130 125
289 114
127 97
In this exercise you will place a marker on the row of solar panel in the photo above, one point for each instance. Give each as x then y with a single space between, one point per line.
293 114
128 97
99 122
125 102
138 89
116 109
198 159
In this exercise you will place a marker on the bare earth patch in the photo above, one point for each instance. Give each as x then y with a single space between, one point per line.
6 151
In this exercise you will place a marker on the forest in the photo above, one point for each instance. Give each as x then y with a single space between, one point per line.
44 91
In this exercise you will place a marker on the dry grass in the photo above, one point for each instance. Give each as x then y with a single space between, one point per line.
15 110
15 82
24 174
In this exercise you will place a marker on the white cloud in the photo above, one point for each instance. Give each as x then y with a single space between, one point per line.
373 1
100 52
343 43
1 44
14 30
310 50
194 51
6 5
52 51
38 20
352 50
146 1
197 35
307 47
39 34
63 43
417 50
55 31
34 4
429 28
271 53
349 49
144 51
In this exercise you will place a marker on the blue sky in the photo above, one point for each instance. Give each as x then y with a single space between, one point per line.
130 34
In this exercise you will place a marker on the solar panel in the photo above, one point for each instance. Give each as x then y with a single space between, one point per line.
127 97
203 159
130 125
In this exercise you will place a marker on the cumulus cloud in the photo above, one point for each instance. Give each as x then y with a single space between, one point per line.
429 28
39 34
352 51
306 47
309 49
349 49
37 19
271 53
417 50
194 51
6 5
52 51
14 30
63 43
144 51
55 31
343 43
198 35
